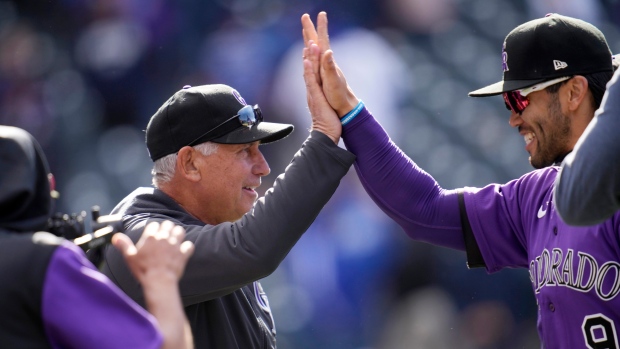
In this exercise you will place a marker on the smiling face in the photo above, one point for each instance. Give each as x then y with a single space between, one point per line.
228 181
544 127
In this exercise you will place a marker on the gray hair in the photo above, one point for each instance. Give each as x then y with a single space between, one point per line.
163 169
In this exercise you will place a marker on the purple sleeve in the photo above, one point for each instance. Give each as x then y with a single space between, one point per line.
82 308
410 196
502 216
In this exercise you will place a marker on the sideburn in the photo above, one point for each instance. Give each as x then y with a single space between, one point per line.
556 136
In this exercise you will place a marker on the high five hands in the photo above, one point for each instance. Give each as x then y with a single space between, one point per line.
329 96
320 68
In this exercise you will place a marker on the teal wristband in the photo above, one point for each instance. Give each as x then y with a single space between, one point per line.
352 114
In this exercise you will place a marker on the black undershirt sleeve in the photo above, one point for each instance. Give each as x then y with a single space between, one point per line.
474 256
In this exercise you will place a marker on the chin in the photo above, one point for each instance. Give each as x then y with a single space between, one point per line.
247 208
538 163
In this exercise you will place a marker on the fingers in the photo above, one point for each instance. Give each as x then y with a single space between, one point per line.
323 35
319 35
124 244
324 118
178 232
187 248
308 30
335 87
310 78
330 73
151 229
328 63
161 250
311 69
164 233
312 53
165 229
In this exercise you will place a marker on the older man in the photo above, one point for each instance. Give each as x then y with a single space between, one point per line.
205 144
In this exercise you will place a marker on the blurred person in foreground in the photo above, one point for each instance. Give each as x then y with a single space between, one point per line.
204 142
53 296
555 71
588 187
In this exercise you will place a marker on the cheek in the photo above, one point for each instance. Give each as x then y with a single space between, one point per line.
534 118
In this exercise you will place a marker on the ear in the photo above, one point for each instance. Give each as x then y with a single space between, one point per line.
186 164
577 92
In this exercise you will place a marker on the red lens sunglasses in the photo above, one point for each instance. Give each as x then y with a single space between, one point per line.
517 100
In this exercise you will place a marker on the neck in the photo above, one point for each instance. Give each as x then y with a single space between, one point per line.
184 198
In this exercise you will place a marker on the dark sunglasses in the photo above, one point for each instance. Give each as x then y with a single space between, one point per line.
517 100
247 116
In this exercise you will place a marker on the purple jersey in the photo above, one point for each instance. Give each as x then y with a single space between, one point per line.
82 308
574 271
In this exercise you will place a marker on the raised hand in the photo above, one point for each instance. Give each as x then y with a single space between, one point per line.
332 80
324 118
160 252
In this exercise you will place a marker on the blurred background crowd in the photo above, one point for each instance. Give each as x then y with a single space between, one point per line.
84 77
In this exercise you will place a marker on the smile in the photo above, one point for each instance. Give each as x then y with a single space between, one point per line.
528 137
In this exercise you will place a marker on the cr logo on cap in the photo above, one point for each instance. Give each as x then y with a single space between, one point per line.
504 58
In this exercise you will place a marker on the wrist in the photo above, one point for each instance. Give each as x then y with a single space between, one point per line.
159 278
353 113
349 105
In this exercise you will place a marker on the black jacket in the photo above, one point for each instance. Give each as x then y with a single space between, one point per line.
25 206
223 299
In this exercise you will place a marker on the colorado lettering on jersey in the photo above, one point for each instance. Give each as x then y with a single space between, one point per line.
558 268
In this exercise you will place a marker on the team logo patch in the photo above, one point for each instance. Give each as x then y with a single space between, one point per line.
263 302
261 297
238 97
504 58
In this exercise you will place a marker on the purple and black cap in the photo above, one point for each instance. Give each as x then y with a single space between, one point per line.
547 48
215 113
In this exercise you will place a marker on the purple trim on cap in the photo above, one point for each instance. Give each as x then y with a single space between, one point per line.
504 58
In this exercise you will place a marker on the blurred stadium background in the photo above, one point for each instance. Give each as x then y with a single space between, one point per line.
84 77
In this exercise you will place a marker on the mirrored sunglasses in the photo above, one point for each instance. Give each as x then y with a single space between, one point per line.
517 100
247 116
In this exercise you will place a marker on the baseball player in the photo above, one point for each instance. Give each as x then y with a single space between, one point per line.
554 73
588 187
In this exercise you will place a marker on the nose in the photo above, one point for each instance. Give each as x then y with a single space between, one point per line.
261 167
515 119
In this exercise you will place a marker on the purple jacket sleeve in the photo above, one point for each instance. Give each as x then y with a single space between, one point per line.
400 188
82 308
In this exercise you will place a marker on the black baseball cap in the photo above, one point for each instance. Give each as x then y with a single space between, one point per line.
198 114
546 48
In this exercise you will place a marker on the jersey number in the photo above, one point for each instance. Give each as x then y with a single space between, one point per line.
599 332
